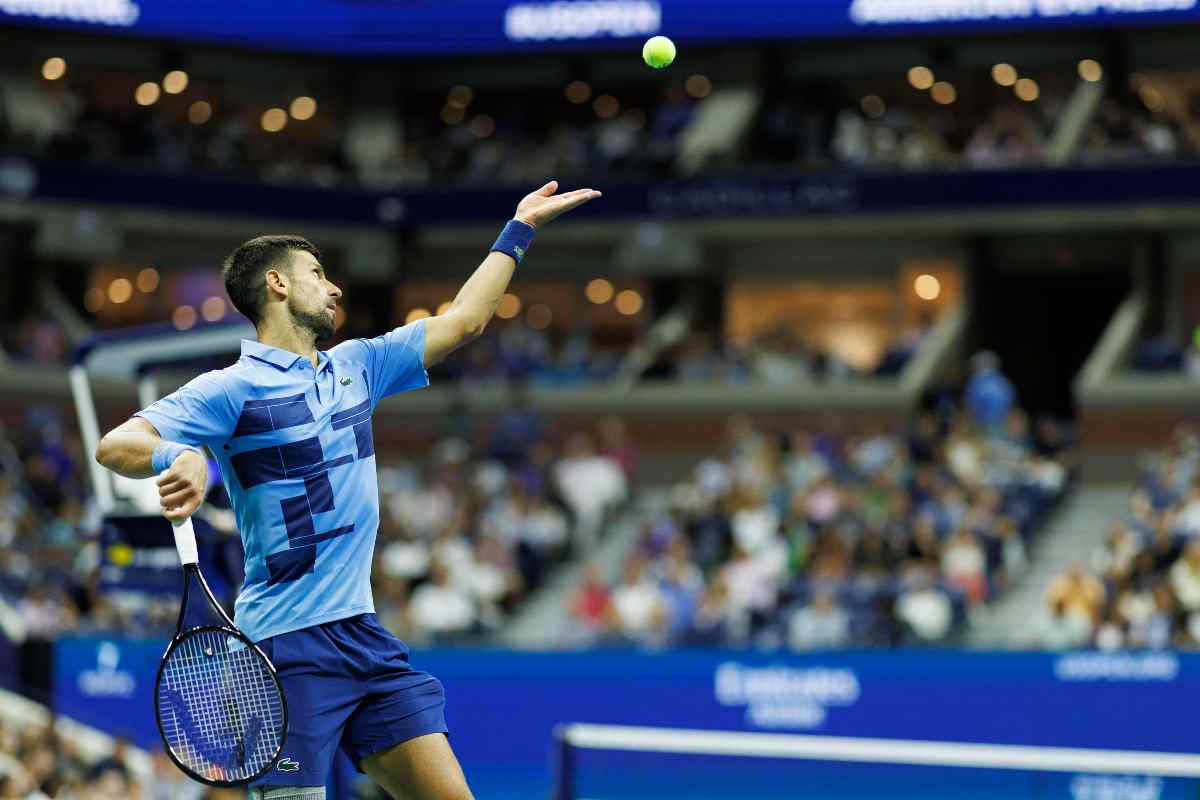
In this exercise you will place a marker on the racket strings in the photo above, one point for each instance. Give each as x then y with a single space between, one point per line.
220 708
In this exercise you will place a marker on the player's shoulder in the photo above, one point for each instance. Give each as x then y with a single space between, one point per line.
235 379
355 350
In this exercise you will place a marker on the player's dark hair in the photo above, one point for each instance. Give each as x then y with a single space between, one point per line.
246 268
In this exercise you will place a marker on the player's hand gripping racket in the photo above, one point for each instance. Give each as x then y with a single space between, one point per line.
218 703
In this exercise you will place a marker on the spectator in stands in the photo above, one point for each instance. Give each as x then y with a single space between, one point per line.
639 609
965 565
821 625
590 484
990 396
1080 593
926 612
1185 578
439 609
591 602
1062 630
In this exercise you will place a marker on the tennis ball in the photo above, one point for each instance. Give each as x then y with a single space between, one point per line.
659 52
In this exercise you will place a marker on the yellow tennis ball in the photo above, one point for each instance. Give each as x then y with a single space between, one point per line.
659 52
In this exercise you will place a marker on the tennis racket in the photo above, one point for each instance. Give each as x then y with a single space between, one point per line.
218 703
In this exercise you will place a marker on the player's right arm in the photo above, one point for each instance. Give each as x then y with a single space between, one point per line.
128 450
164 439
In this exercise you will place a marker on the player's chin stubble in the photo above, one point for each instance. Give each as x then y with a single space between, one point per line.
317 323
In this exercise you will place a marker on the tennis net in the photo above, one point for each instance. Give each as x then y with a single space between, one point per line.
611 762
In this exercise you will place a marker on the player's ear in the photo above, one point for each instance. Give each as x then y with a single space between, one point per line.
277 283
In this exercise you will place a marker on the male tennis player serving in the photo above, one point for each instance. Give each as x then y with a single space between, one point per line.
290 426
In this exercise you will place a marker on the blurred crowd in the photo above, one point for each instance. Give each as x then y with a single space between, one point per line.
510 352
777 357
1141 589
821 538
476 137
465 533
464 537
1163 353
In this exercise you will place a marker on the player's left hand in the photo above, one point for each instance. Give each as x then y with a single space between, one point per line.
541 206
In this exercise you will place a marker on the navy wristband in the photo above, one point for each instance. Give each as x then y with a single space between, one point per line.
514 240
165 453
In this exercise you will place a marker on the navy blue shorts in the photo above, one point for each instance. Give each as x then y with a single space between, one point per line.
348 684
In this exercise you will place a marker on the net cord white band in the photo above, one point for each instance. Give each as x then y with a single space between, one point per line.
185 543
888 751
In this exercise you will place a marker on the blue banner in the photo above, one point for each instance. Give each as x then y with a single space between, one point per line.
732 197
503 707
410 27
109 684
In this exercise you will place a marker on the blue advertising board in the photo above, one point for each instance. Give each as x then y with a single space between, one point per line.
847 193
503 707
411 27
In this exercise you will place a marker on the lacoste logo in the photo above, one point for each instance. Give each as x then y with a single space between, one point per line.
520 251
346 381
286 764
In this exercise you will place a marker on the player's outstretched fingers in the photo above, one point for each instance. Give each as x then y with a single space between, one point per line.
549 189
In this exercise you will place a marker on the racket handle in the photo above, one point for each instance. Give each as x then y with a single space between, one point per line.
185 542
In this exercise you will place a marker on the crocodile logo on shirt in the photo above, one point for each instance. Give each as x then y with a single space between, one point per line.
286 764
346 381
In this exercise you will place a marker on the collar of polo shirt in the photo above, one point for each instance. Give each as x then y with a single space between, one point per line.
278 357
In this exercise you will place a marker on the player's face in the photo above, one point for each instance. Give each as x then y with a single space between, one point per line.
312 300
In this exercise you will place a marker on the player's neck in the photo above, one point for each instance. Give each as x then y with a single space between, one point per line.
289 337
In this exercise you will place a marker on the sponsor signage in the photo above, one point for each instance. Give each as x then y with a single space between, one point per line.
415 27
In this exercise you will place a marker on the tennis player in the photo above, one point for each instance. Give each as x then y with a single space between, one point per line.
290 426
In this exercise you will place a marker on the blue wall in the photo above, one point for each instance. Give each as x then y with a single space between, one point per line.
410 28
502 707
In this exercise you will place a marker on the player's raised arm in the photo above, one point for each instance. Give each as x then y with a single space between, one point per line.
476 301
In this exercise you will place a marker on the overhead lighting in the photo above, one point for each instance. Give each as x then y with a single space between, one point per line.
120 290
1004 74
303 108
273 120
873 106
147 94
943 93
1027 89
927 287
599 291
213 308
920 78
444 307
147 280
175 81
1152 98
1090 70
54 68
416 314
93 299
199 112
183 317
453 115
578 92
509 306
698 86
628 302
606 106
539 316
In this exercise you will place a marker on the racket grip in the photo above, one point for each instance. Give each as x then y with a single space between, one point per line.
185 542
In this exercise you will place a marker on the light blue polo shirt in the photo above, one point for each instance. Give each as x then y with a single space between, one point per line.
298 461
